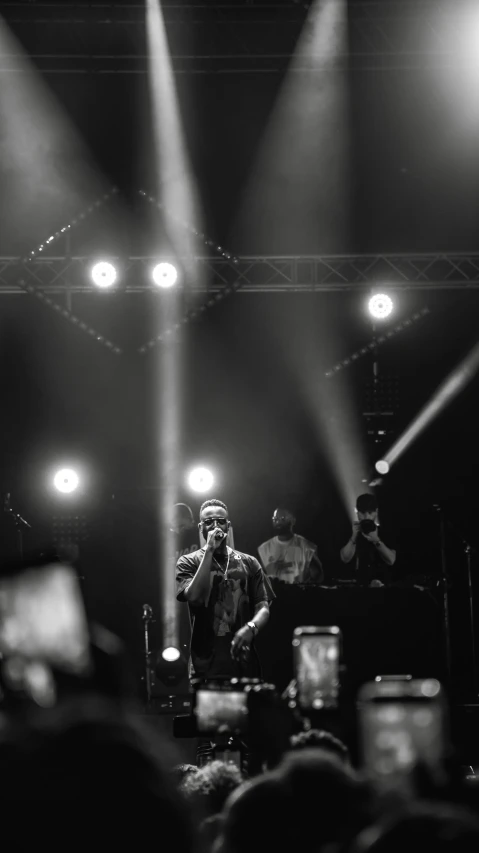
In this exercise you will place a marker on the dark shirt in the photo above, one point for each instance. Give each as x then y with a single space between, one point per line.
186 541
233 598
369 564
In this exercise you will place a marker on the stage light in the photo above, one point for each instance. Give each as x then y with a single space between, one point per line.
430 688
200 480
66 480
382 467
171 654
104 274
170 670
380 306
165 275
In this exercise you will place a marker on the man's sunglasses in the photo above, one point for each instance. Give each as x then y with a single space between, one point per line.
209 521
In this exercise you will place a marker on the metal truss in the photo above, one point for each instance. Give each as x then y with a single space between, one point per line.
234 37
256 273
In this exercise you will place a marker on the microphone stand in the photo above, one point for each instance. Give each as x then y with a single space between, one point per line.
468 552
20 524
147 618
445 593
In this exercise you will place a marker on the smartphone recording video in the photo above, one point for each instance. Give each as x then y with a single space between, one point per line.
402 724
221 712
42 618
316 662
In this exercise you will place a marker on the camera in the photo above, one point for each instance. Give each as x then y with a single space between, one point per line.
229 706
220 711
367 526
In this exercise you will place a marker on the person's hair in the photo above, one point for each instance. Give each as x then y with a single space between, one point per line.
213 502
314 776
283 806
181 771
282 508
366 503
264 803
320 739
211 786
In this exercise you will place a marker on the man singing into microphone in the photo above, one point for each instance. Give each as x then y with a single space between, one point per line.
228 597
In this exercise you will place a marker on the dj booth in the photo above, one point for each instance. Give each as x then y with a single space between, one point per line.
385 630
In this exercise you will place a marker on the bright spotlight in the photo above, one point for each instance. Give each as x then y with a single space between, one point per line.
382 467
200 480
165 275
66 480
380 306
171 654
170 670
104 274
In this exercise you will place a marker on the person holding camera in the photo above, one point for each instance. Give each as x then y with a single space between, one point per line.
373 558
228 597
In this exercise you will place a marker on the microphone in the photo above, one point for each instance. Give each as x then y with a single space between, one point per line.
219 534
147 612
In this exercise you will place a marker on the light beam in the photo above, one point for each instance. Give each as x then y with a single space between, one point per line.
443 397
299 197
177 191
46 172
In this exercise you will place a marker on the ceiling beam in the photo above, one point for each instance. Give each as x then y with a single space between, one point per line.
258 273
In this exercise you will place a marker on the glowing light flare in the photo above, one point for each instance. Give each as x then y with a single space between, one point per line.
165 275
382 467
430 688
467 36
380 306
104 274
66 480
200 480
171 654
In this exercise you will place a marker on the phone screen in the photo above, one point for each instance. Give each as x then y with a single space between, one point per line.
317 670
397 734
42 618
219 711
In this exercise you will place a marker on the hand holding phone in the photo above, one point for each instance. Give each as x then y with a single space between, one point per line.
402 727
221 711
316 660
42 618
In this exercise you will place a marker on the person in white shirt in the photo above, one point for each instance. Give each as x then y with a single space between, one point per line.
288 556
